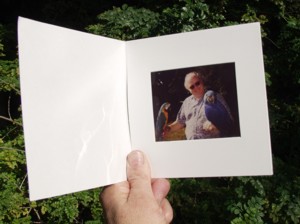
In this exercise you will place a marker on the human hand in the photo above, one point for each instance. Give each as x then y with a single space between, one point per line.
209 127
139 200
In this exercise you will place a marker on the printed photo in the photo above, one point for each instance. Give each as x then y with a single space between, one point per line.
195 103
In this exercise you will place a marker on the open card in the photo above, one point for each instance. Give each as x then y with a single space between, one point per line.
88 100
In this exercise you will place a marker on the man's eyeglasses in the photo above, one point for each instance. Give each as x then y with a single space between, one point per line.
195 84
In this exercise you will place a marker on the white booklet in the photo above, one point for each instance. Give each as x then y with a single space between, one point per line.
88 100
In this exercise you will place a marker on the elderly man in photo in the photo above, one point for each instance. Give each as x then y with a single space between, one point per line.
193 114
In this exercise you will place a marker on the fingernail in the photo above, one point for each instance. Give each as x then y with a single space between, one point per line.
135 159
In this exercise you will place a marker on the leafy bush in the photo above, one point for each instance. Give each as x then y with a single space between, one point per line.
126 23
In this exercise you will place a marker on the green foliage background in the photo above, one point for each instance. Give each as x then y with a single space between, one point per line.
274 199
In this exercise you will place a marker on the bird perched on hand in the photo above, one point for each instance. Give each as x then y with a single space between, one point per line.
217 113
161 121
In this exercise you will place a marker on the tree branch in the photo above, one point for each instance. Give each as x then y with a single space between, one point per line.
8 107
37 214
272 42
7 148
11 120
20 187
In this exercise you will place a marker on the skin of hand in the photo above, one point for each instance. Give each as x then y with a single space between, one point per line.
140 199
175 126
209 127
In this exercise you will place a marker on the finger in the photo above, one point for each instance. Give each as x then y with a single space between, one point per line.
167 210
160 189
115 194
138 175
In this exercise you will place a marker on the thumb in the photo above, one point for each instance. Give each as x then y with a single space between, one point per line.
138 175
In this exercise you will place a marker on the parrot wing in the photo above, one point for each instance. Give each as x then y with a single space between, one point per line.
217 114
161 121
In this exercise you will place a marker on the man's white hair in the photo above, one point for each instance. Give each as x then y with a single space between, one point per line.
191 75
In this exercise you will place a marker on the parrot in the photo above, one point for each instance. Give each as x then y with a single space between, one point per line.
217 113
161 121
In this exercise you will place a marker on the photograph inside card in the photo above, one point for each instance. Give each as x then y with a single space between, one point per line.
74 105
177 99
197 102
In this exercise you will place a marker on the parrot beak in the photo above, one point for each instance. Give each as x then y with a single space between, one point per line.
167 106
211 99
